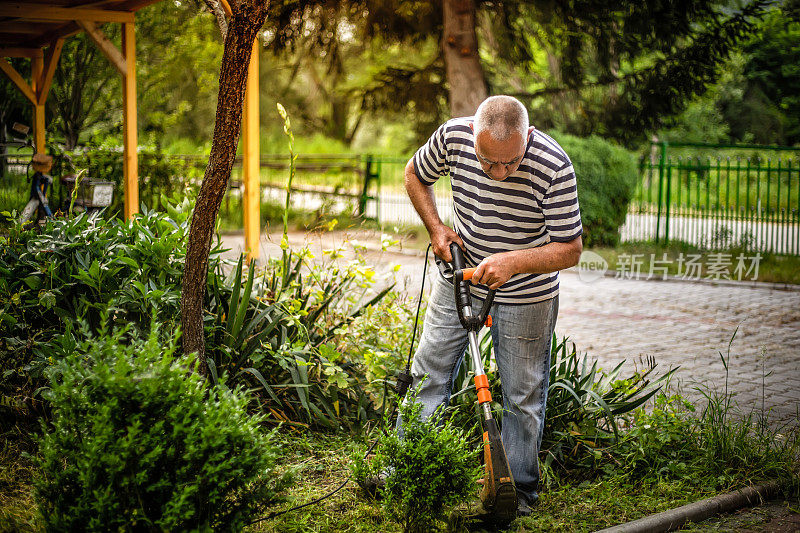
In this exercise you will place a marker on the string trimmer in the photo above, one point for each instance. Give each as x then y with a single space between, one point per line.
499 495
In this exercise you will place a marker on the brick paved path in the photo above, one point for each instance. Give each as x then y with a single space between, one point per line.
687 324
679 323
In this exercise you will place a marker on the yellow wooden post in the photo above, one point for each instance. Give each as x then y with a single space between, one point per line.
130 168
250 160
37 71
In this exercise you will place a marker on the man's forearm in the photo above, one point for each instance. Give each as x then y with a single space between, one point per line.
423 199
551 257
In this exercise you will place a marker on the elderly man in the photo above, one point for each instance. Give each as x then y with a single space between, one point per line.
517 220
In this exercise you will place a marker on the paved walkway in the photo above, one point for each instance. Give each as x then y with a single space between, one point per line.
688 324
678 323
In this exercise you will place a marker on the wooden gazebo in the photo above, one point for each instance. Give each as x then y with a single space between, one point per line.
37 29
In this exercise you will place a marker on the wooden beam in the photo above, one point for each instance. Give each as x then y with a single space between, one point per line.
37 73
20 27
21 52
35 12
62 31
130 167
50 62
21 84
104 44
135 5
250 158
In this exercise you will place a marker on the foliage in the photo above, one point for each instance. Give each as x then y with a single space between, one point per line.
281 336
429 468
304 306
716 449
772 70
84 270
607 177
138 440
587 407
380 337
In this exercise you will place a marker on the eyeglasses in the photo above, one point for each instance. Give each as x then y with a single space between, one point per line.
491 164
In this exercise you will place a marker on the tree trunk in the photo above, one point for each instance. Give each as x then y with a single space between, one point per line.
247 19
464 72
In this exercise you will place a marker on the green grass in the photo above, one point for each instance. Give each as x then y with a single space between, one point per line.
604 503
17 507
320 462
773 268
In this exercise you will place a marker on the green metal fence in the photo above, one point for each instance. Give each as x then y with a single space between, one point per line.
365 185
718 197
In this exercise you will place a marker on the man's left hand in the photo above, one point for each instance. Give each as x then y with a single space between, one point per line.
494 271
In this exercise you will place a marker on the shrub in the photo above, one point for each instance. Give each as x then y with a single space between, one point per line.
607 176
139 442
79 270
430 469
588 407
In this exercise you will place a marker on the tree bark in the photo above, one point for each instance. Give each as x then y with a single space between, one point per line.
247 19
460 45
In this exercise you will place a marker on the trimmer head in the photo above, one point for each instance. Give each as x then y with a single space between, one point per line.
499 496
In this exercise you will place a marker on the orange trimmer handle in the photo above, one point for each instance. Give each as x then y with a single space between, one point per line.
467 273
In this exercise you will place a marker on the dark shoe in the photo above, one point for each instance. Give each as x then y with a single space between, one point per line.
524 504
373 486
523 509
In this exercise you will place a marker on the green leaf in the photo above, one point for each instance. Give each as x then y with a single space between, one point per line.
234 301
243 306
263 382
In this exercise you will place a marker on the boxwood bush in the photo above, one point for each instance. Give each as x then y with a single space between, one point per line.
607 176
429 469
139 442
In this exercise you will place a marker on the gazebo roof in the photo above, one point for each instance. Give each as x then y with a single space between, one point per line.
27 27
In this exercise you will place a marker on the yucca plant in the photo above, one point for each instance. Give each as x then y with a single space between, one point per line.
243 325
275 329
586 405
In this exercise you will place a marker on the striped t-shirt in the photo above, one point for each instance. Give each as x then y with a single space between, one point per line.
535 205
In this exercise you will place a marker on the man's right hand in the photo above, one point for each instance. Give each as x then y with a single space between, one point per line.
441 237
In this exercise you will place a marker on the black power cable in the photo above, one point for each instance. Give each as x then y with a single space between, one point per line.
401 387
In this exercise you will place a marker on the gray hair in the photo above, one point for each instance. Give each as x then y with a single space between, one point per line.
501 116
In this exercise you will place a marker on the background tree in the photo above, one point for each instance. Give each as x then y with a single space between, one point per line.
85 91
772 72
178 67
617 70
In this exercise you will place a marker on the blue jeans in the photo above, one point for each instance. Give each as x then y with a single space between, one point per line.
521 335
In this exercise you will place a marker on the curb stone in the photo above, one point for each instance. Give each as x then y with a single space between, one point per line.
698 511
